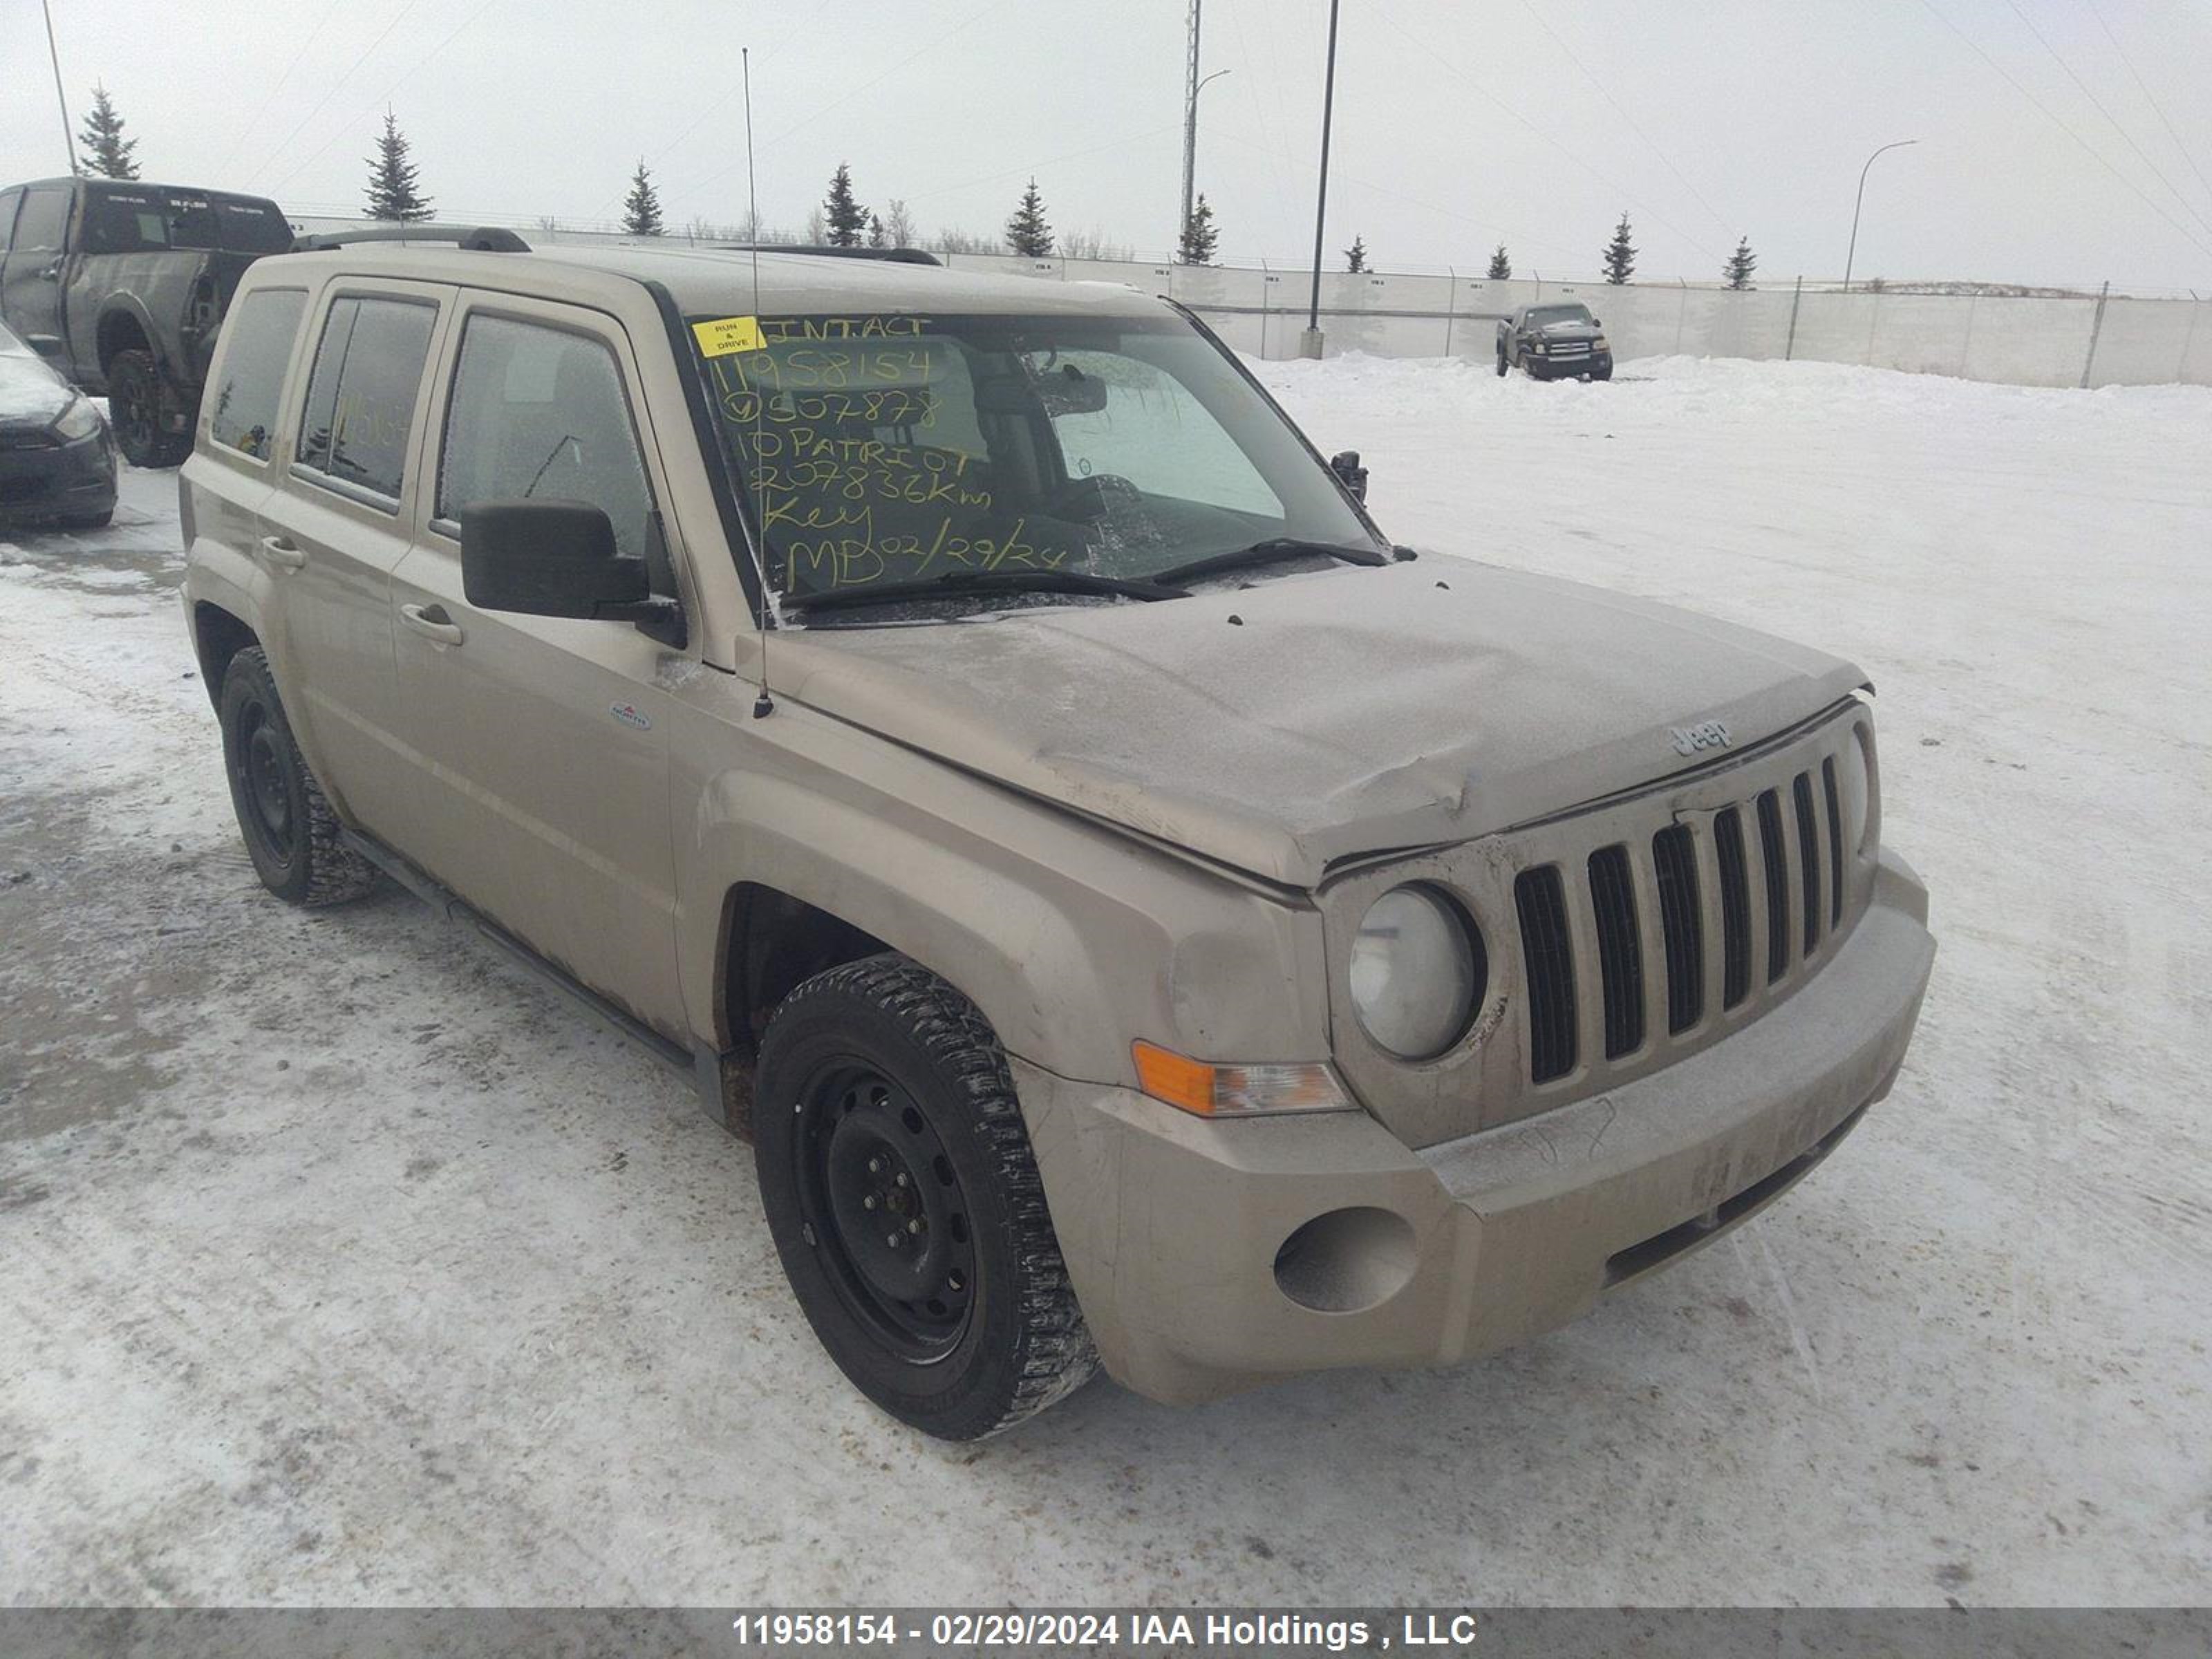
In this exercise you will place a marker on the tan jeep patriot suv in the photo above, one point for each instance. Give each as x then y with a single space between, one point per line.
1142 916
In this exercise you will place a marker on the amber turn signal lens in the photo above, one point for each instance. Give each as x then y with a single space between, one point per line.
1207 1090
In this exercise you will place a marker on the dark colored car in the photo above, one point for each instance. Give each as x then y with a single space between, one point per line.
57 459
122 286
1557 340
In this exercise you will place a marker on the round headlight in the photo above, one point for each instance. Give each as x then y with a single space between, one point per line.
1417 972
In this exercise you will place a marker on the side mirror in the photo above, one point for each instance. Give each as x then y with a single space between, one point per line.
1346 465
551 559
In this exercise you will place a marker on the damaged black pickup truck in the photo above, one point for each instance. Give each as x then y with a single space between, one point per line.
122 286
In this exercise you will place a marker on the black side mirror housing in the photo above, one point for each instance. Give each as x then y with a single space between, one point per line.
556 559
1346 465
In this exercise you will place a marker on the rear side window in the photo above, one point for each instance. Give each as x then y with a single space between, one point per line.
39 227
257 345
539 412
361 397
10 201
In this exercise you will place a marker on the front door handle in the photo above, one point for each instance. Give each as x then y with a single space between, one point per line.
432 623
281 553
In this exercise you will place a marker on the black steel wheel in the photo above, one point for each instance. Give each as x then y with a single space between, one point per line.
876 1185
290 832
906 1205
134 411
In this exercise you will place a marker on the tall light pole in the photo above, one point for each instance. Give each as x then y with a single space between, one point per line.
1192 85
69 142
1310 344
1856 203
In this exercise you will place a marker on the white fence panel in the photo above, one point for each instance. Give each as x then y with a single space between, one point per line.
2141 340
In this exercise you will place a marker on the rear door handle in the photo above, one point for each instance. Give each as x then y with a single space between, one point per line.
282 554
432 623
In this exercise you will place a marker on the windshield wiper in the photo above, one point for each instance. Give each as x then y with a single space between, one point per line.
1274 551
956 584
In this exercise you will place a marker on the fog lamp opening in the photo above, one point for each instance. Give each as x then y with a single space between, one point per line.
1347 1260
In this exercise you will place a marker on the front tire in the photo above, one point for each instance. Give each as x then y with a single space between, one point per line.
134 410
905 1202
290 832
1503 365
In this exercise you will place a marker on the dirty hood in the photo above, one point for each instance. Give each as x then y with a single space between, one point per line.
1282 727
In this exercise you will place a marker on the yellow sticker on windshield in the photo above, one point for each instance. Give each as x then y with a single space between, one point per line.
727 334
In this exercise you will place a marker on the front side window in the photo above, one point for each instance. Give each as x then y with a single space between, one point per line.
10 201
881 450
360 396
539 412
257 345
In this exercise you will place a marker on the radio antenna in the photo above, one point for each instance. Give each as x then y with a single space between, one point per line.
764 705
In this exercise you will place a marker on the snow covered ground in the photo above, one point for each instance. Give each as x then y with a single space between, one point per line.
340 1263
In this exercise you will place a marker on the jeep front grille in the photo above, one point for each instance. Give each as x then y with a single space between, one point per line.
1539 898
1662 928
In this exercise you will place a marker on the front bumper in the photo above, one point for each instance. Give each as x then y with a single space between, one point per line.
1561 368
58 481
1172 1225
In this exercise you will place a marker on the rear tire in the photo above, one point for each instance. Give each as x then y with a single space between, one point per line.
290 832
88 520
134 410
905 1202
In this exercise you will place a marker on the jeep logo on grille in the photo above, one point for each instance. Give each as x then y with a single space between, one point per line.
1696 739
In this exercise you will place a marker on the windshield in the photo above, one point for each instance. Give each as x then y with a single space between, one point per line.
1545 316
883 450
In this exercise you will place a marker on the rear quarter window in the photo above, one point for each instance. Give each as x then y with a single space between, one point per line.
257 345
361 397
39 227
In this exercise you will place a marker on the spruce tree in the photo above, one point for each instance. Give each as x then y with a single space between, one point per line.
641 207
106 151
1027 231
1741 264
1199 235
1355 256
877 237
846 218
392 194
1501 267
1619 255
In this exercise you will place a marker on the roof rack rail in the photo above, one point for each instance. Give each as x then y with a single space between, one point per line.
897 256
473 239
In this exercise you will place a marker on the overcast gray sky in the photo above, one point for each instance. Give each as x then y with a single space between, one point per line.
1458 126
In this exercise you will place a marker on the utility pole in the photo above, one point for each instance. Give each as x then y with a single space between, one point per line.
1856 202
69 141
1310 344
